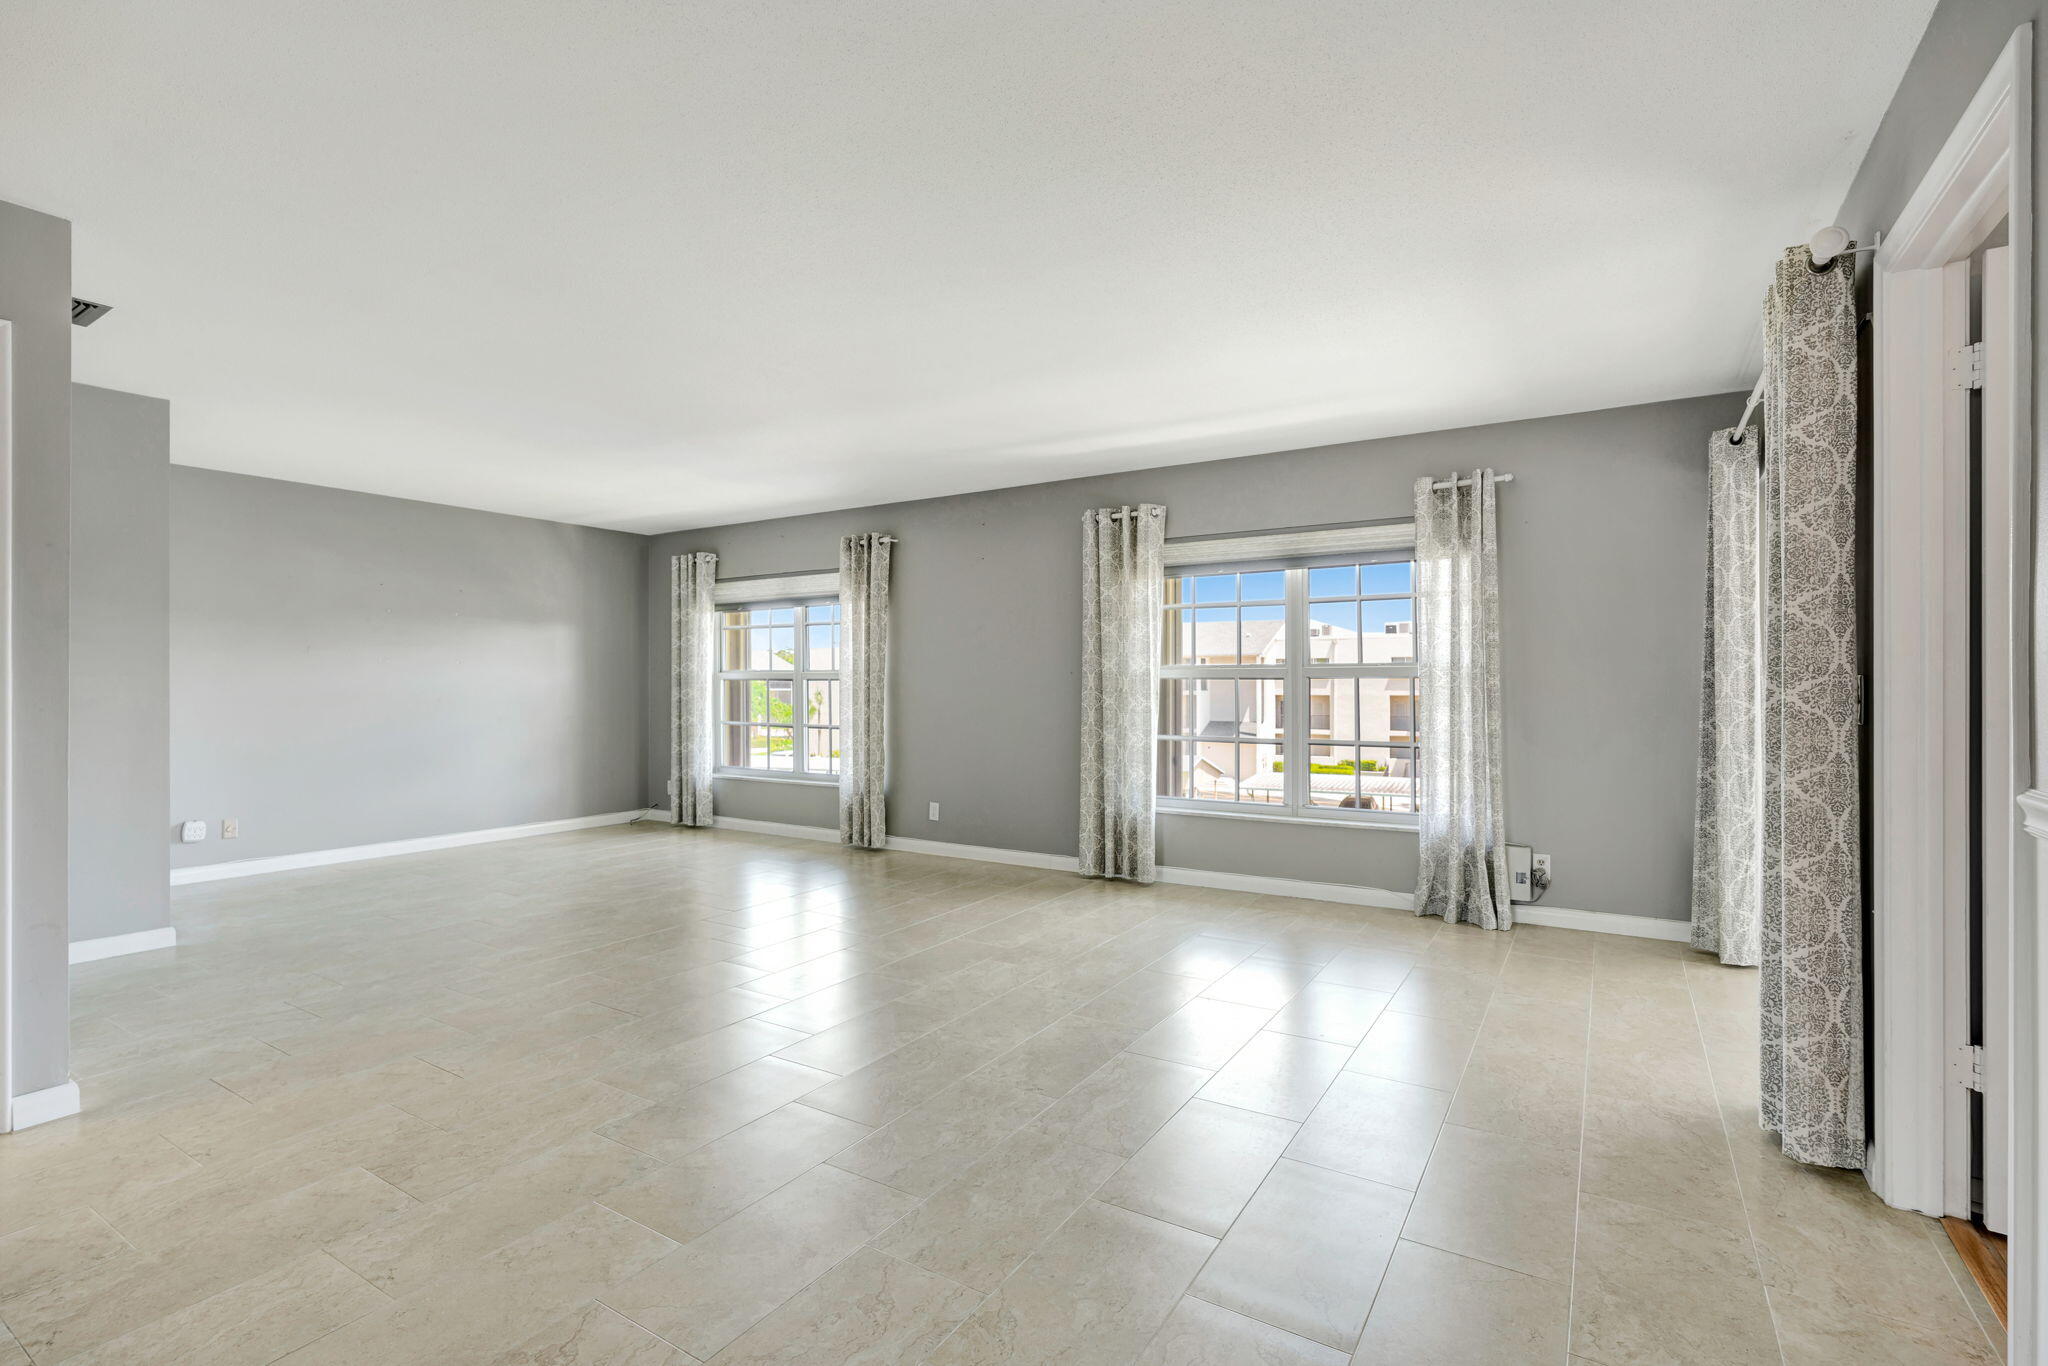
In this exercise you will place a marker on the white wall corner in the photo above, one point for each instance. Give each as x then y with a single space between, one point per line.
40 1107
115 945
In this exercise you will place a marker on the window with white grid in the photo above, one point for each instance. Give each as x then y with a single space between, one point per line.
1289 689
779 689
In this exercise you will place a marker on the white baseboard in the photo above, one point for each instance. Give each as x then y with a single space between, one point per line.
794 832
115 945
982 853
1556 917
40 1107
1287 886
320 858
898 844
1605 922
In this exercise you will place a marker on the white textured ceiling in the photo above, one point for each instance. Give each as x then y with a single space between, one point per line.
664 263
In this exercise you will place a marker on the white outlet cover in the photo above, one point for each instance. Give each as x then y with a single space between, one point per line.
935 811
192 832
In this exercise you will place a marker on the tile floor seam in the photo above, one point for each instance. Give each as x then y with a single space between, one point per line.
417 1203
389 1298
1571 1298
1938 1233
599 1298
95 1213
1467 1256
664 1166
855 1250
1025 1260
1192 1280
1741 1186
1193 1294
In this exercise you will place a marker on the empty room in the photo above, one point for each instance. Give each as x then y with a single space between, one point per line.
1055 682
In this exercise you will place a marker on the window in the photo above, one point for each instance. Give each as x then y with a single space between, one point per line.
1239 642
779 689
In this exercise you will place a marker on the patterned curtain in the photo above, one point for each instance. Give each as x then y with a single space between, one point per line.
864 689
1121 600
691 635
1464 864
1727 860
1812 941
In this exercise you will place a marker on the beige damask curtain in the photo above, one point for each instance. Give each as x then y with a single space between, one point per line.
864 748
1121 592
1727 861
692 631
1812 924
1462 870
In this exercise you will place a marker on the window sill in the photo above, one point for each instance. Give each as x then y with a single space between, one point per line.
749 776
1329 823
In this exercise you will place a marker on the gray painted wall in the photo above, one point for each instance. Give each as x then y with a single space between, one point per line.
35 295
348 669
1602 564
1962 40
120 661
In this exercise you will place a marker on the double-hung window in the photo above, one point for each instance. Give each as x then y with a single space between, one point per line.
779 689
1289 688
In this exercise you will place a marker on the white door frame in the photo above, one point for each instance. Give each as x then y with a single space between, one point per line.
7 1001
1920 852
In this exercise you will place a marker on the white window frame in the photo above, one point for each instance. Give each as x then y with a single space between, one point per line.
1294 676
801 676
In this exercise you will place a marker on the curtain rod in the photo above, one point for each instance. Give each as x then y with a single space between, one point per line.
1755 397
1455 482
1821 251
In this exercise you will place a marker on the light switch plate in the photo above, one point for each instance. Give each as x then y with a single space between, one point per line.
230 828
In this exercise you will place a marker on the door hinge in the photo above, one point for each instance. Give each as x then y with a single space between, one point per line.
1966 1066
1966 367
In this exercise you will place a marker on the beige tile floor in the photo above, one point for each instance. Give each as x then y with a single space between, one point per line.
646 1096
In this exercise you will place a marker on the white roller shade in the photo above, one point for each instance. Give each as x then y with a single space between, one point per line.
781 588
1259 546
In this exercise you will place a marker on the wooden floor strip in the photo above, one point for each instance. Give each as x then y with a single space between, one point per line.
1984 1253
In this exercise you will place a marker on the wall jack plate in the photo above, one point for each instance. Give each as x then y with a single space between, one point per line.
1519 887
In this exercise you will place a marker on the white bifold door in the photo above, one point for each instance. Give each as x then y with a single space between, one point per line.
1984 815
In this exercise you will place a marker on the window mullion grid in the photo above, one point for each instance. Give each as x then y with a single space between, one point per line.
1295 675
800 676
1294 745
799 695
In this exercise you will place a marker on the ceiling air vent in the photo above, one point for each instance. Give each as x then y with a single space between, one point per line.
84 312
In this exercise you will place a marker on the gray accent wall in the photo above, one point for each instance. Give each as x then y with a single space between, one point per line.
120 662
1602 571
1963 39
349 669
35 296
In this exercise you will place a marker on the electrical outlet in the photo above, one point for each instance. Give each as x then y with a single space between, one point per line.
191 832
230 828
1542 864
935 811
